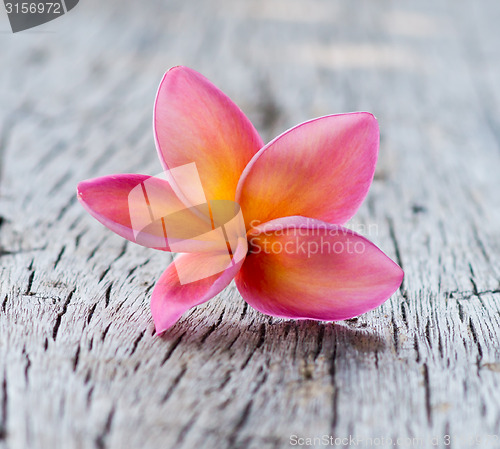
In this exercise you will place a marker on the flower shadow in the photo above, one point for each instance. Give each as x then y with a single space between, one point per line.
258 337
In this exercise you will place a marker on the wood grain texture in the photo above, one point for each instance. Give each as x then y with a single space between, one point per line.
79 364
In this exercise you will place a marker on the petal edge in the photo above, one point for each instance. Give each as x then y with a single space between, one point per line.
321 169
329 284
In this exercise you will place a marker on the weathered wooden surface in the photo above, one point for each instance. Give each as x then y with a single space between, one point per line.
79 365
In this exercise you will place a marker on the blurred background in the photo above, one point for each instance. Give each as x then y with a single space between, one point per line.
78 363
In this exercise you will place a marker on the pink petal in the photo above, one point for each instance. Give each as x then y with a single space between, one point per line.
107 200
320 169
145 210
314 270
171 298
195 122
118 202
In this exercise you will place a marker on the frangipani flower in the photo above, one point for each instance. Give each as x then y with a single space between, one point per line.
293 258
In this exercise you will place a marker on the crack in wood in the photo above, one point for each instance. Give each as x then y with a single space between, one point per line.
4 408
286 329
78 238
244 311
27 366
136 342
319 346
404 316
428 333
76 358
185 429
57 324
477 343
95 249
28 291
232 439
59 256
232 342
171 349
213 327
121 253
258 344
91 313
427 393
135 267
107 295
105 332
225 381
65 208
261 382
416 347
460 312
466 295
100 441
335 392
440 345
395 333
104 273
175 383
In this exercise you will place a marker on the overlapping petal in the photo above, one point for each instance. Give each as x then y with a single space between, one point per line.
320 169
108 199
145 210
172 298
195 122
302 268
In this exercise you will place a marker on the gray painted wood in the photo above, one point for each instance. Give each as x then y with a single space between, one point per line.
79 365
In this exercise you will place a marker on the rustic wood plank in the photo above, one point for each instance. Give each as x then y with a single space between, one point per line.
79 364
